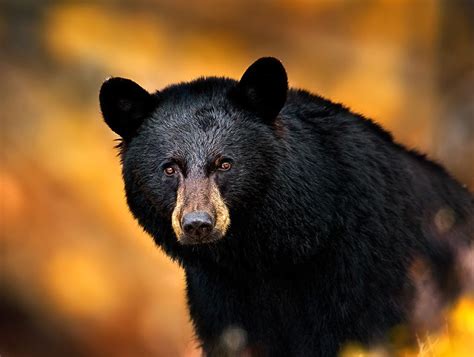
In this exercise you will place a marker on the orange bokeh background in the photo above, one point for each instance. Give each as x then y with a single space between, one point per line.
78 275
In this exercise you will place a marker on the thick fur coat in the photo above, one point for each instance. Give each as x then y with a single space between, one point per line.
327 215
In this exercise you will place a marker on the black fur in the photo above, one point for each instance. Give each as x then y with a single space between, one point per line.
263 88
124 105
327 213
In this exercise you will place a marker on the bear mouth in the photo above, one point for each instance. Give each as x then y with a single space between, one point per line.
213 237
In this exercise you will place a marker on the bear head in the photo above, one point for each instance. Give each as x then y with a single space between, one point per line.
197 155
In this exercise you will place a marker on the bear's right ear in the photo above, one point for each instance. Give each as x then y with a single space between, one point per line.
263 88
124 105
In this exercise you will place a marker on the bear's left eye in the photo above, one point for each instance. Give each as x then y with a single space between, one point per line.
225 165
169 171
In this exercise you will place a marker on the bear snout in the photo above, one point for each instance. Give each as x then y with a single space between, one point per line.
200 214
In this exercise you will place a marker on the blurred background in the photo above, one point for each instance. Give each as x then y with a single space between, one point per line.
78 275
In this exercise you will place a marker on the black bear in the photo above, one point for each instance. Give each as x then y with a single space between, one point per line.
297 222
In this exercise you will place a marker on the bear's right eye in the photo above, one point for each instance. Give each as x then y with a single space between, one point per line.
169 171
225 166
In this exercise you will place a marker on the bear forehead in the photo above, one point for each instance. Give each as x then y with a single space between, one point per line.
198 130
195 119
199 116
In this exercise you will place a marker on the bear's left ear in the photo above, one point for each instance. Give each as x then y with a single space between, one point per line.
263 88
125 105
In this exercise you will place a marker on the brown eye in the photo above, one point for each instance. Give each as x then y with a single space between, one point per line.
225 166
169 171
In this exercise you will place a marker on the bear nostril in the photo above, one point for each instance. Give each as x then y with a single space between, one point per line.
197 224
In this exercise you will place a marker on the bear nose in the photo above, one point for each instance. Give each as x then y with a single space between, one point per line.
197 224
